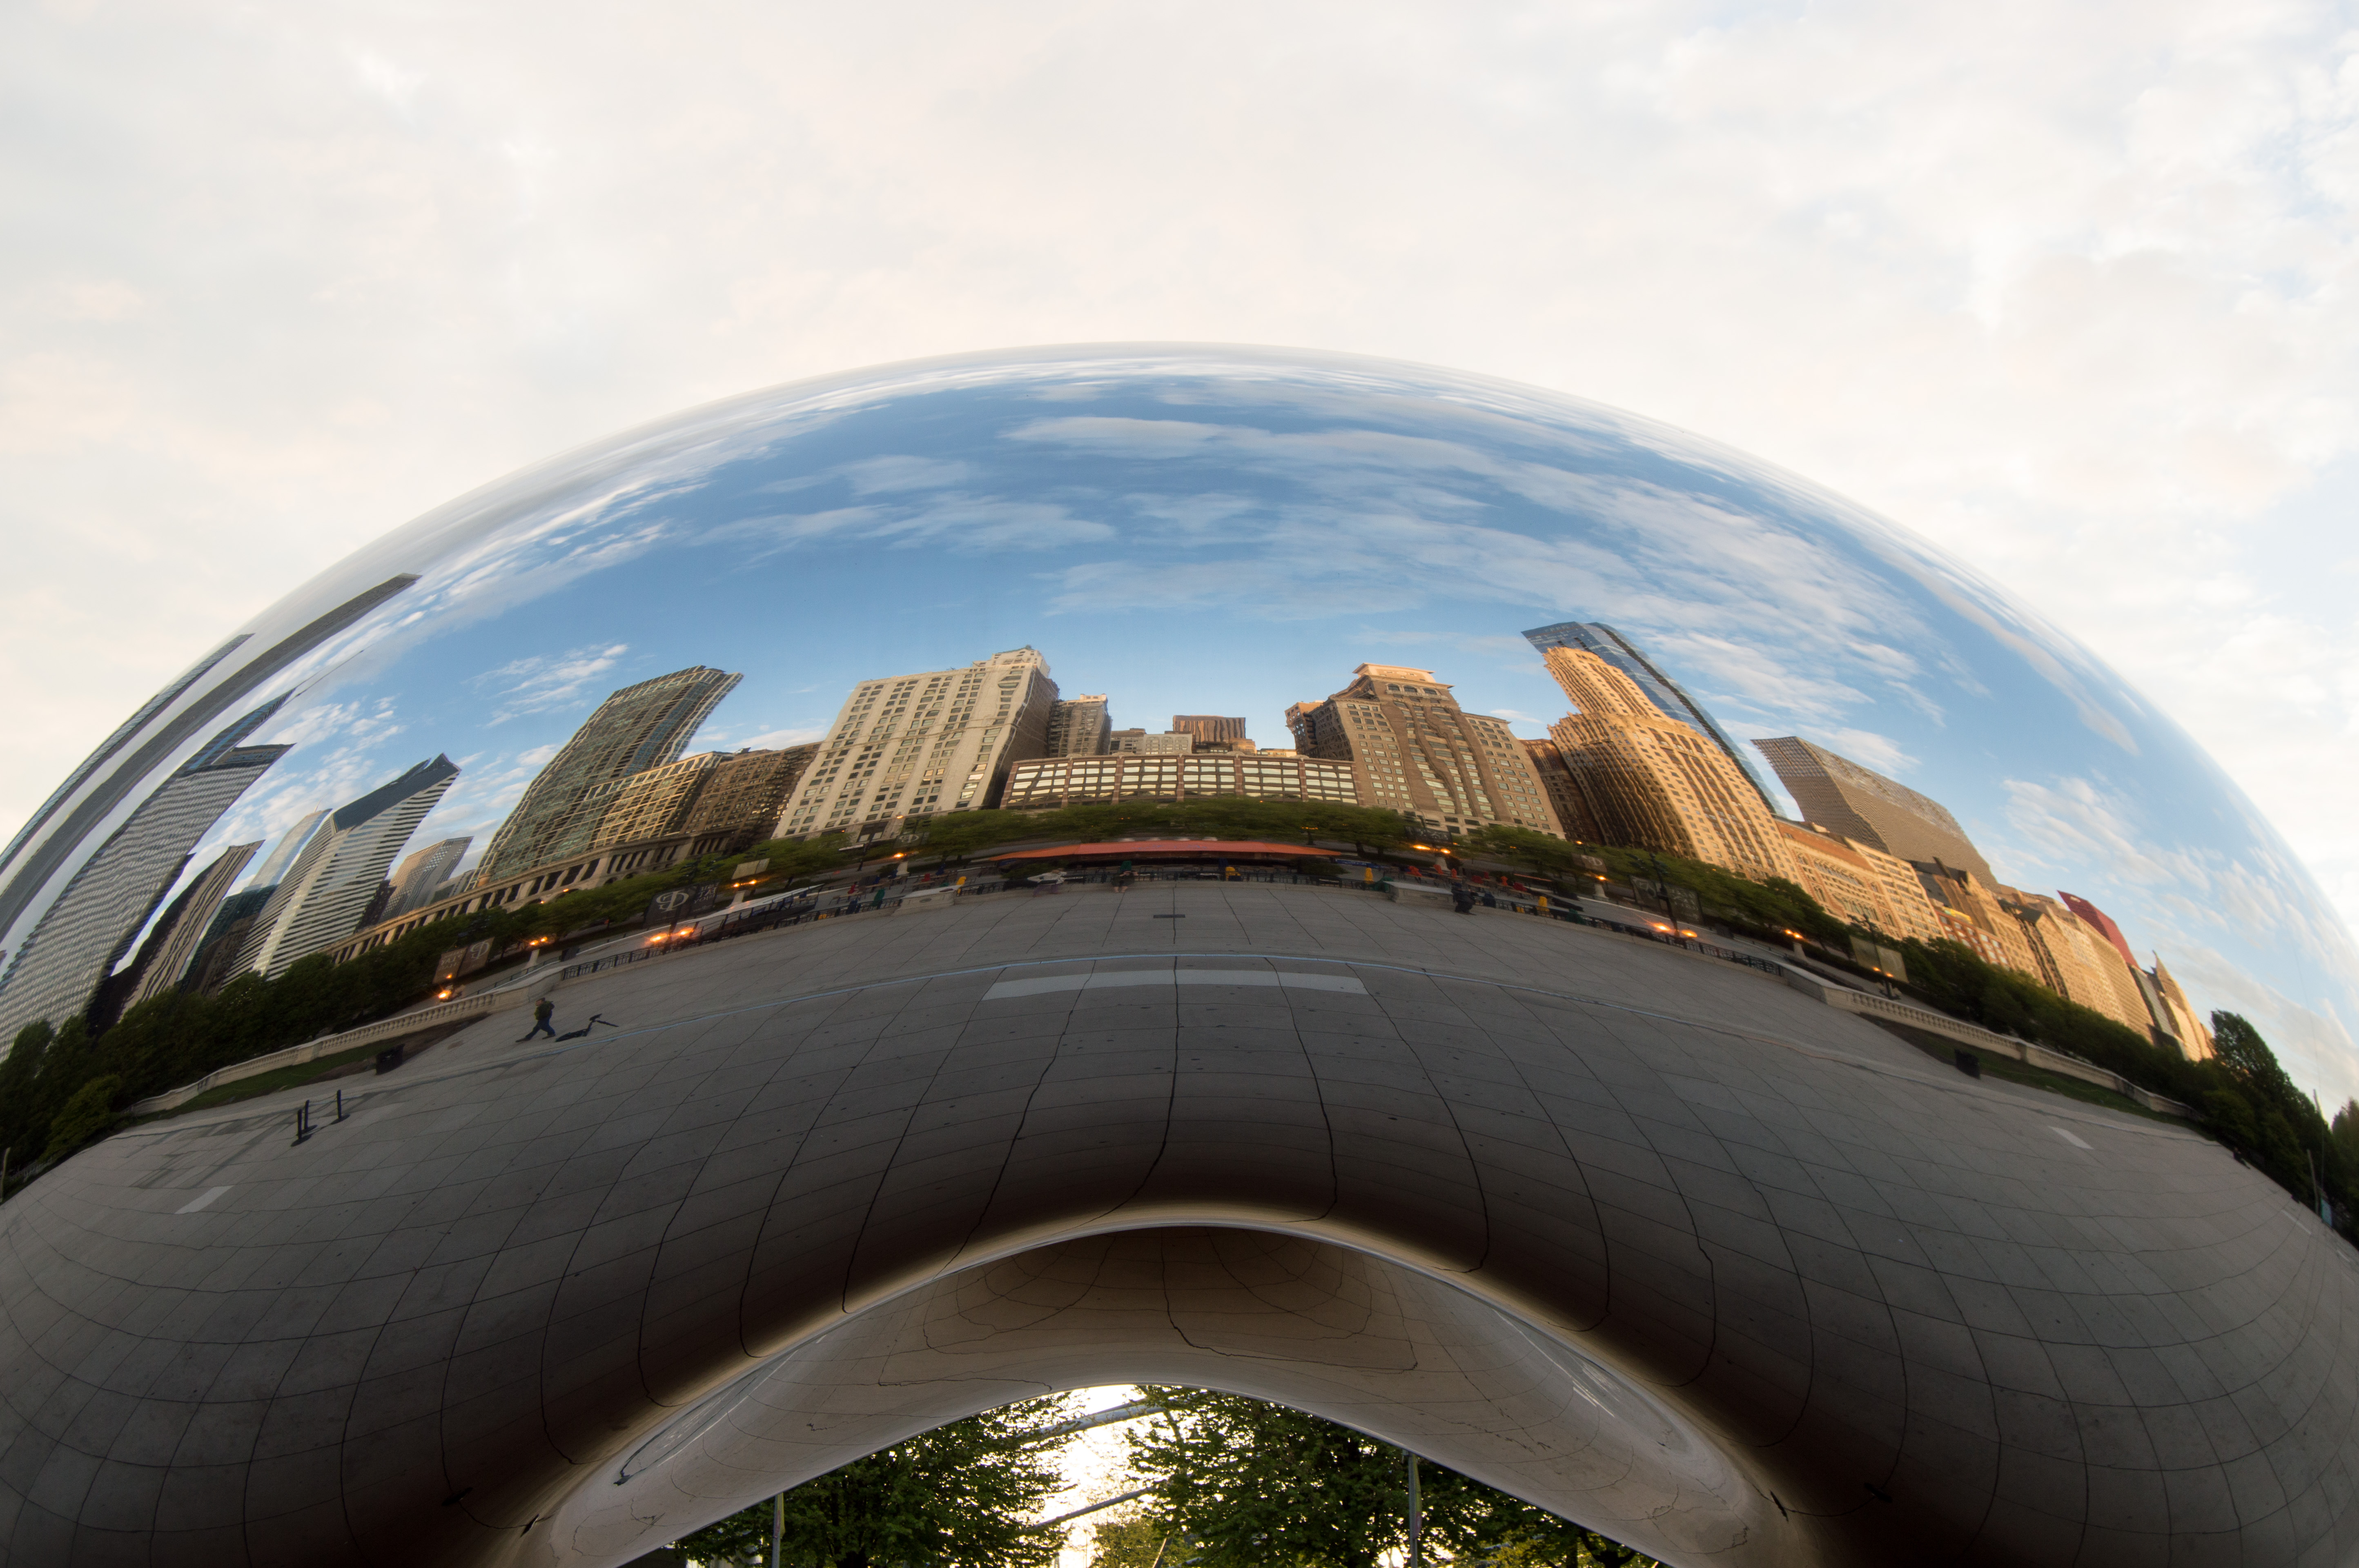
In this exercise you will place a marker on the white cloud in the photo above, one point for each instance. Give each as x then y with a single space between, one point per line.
543 682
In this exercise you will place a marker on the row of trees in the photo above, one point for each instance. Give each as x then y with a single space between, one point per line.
963 835
1229 1482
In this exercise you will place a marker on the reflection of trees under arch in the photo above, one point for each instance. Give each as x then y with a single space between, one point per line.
1227 1482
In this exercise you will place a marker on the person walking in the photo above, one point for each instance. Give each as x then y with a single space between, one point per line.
542 1011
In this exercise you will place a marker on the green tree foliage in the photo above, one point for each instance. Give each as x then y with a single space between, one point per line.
83 1117
1765 909
2345 1132
957 1496
1134 1541
963 835
1247 1485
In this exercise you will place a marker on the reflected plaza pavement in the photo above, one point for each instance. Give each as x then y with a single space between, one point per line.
1658 1240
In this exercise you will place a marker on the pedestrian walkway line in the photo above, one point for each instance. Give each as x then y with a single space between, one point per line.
1291 979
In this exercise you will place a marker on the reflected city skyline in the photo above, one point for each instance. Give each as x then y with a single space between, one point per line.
1606 621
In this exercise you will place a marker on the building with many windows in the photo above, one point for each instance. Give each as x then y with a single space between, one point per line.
1413 750
1050 782
743 793
1858 883
273 870
654 804
1208 727
1563 791
1655 782
1173 742
1667 695
93 922
1080 727
735 802
329 889
165 957
637 729
2186 1026
913 745
419 877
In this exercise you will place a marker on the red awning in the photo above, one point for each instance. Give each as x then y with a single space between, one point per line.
1199 849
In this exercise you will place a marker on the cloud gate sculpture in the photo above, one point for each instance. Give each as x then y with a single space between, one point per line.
1511 1005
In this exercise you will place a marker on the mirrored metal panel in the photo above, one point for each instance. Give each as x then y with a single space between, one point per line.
1171 573
1210 829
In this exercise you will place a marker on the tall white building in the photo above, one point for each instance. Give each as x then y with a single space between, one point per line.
909 746
102 908
336 877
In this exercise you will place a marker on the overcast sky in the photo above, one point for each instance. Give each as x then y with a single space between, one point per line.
2067 288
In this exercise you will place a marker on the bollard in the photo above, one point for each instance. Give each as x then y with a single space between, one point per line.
340 1105
304 1121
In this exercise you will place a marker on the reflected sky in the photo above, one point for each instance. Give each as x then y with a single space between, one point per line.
1230 531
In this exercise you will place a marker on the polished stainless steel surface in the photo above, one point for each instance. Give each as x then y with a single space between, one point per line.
1188 529
1196 533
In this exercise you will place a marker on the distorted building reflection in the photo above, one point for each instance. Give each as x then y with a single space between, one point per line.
916 744
333 881
1413 750
637 729
1651 780
57 969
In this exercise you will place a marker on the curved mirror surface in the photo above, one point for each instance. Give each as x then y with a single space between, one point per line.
903 639
1359 567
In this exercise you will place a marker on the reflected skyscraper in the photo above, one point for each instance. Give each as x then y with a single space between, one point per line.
165 957
653 803
1859 803
1564 796
333 881
416 879
637 729
145 741
741 796
1669 698
1413 750
1208 727
94 919
1652 780
1080 727
913 745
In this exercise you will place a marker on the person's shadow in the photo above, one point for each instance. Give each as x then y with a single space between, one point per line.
595 1020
